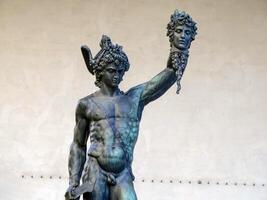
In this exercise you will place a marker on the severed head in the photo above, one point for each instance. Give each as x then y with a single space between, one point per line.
181 30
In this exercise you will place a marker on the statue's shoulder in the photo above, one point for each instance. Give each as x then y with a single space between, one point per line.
86 102
136 90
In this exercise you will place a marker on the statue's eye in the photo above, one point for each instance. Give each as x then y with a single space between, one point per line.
178 30
111 70
188 32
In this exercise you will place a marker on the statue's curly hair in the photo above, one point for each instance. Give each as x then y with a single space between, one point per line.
109 53
181 18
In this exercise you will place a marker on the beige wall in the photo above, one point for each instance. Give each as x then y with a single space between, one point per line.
215 130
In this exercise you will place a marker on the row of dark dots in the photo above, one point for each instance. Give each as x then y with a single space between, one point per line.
162 181
41 177
201 182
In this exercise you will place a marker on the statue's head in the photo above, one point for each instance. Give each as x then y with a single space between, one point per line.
181 30
109 64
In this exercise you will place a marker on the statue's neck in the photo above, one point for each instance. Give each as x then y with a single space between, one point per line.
109 91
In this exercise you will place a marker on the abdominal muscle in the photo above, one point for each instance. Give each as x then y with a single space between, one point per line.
108 151
112 160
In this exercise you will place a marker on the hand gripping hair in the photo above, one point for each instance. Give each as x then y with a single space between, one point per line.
179 57
109 53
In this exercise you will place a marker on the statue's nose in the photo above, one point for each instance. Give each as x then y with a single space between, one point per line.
182 34
116 75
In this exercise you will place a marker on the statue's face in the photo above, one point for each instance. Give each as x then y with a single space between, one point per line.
182 37
112 75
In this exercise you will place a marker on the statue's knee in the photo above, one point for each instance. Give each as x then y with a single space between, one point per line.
128 196
127 193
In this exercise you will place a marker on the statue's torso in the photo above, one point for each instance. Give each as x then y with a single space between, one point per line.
113 126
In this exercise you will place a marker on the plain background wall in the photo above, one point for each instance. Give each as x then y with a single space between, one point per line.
214 131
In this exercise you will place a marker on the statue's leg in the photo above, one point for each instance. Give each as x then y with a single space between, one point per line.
124 189
92 171
100 192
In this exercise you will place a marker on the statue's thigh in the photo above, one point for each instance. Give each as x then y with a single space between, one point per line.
123 190
100 192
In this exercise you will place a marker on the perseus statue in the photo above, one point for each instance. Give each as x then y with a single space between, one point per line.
111 117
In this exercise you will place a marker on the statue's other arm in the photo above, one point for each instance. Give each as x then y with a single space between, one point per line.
159 84
77 155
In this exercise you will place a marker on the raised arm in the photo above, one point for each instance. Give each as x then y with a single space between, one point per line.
159 84
77 155
181 31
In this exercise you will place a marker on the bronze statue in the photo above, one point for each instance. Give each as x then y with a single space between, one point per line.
110 117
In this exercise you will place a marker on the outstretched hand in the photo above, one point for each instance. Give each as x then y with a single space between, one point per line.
178 61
